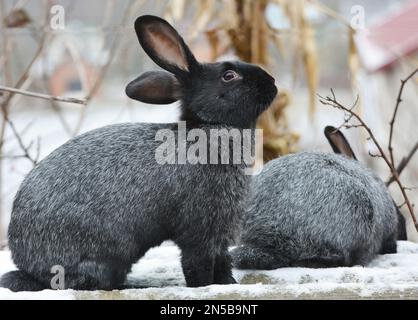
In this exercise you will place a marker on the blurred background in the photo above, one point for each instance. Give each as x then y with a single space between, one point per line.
88 49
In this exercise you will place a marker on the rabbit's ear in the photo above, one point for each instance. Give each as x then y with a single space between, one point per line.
155 87
338 142
164 45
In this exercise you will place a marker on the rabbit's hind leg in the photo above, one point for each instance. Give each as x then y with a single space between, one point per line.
94 275
389 246
321 262
247 257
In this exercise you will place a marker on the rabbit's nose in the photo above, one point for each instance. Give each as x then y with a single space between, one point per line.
271 81
269 77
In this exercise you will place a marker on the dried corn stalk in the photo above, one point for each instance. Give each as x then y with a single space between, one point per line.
303 46
354 66
175 10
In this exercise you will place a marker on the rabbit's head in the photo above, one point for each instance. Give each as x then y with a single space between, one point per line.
229 93
340 145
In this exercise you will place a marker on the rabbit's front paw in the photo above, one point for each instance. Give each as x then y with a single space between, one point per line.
224 280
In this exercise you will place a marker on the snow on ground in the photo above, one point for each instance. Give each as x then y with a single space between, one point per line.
159 273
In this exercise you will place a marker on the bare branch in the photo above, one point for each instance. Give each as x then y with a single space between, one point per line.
349 126
411 188
332 101
400 206
42 96
395 112
103 71
374 155
13 157
25 149
404 162
26 72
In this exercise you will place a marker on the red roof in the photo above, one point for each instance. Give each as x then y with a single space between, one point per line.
393 37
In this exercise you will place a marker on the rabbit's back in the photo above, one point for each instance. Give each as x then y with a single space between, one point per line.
315 204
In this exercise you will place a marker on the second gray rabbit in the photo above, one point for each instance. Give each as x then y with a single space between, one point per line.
315 209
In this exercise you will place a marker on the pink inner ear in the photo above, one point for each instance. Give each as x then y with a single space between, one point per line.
342 145
167 46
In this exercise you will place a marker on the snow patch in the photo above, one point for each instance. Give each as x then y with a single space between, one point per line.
159 273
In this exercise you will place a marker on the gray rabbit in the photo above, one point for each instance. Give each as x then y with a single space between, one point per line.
315 209
96 204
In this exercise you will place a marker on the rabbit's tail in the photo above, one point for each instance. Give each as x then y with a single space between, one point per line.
20 281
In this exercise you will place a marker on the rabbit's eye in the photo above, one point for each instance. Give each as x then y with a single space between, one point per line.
229 76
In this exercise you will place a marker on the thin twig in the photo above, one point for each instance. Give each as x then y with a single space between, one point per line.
43 96
13 157
102 73
404 162
332 101
400 206
374 155
395 112
411 188
25 149
27 71
55 106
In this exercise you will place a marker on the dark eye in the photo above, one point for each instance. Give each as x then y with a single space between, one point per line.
229 76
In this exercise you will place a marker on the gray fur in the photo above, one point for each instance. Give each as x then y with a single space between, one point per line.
316 210
97 203
100 201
